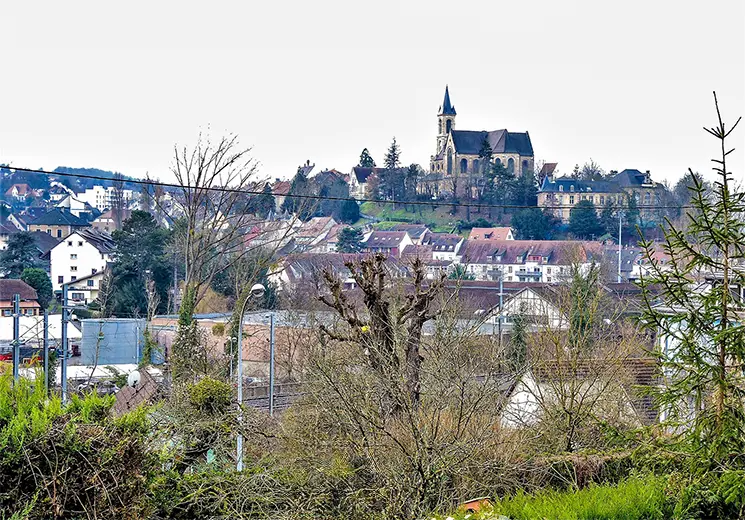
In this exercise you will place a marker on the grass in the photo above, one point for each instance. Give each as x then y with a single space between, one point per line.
438 219
635 498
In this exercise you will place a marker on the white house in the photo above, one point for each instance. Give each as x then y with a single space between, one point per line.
391 243
83 253
445 246
358 180
74 206
86 289
547 261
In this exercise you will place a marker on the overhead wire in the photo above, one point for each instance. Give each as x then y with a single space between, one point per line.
223 189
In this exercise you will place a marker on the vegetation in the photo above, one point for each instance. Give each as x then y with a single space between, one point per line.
20 253
349 240
584 221
39 280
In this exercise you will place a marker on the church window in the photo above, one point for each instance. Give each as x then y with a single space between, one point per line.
463 166
525 166
440 127
475 166
647 199
448 125
450 161
511 165
499 161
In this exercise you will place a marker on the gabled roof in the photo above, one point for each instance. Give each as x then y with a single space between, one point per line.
444 242
10 287
548 168
281 187
44 241
361 173
98 239
414 230
447 109
23 189
558 252
385 239
57 217
493 233
501 141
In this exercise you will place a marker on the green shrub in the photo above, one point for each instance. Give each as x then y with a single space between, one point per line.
211 396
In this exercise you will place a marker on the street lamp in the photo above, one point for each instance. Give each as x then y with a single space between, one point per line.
257 291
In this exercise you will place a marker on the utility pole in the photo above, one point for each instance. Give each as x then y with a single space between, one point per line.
271 365
620 231
239 455
45 346
501 294
16 335
63 364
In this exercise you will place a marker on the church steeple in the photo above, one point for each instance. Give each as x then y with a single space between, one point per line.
447 109
445 121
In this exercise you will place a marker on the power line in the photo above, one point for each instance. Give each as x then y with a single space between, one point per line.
148 182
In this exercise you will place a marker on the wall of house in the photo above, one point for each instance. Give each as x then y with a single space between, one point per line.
65 265
55 231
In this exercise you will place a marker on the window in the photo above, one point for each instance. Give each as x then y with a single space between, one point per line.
499 161
73 278
90 283
548 270
59 233
78 296
73 268
571 199
448 125
80 244
561 188
525 166
60 279
49 231
647 199
602 200
6 312
463 166
69 242
94 270
511 165
439 126
73 257
571 188
450 161
509 269
475 166
29 312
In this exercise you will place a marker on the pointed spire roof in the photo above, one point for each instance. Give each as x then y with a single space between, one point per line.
447 108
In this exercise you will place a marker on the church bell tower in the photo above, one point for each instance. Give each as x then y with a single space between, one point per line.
445 121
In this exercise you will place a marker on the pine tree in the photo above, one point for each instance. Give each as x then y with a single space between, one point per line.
584 221
349 240
701 330
20 253
296 205
393 156
366 160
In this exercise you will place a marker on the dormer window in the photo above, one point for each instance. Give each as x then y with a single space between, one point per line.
571 188
561 188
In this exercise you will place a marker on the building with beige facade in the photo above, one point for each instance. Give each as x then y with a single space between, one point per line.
560 195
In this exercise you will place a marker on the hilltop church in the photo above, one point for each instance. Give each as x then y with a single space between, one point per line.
458 150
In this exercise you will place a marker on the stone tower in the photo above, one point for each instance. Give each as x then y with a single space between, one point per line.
445 121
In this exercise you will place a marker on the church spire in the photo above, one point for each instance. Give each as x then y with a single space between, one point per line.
447 108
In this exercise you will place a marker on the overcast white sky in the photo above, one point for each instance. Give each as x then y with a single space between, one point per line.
115 85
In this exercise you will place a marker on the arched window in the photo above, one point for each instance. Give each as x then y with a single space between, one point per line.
440 127
448 125
463 166
498 161
475 166
525 166
511 165
450 161
647 199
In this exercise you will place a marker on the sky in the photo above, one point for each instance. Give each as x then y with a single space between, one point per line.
116 85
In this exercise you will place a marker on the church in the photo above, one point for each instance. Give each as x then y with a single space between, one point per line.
458 150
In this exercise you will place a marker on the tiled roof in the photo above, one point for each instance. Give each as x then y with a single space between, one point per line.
10 287
281 187
99 239
557 252
414 230
362 173
444 241
23 189
501 141
494 233
44 241
385 239
57 217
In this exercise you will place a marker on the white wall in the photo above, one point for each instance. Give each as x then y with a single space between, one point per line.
88 258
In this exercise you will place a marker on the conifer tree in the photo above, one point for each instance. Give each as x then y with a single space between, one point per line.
366 160
700 330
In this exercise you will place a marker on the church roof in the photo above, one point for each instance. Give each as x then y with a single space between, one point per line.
501 141
447 108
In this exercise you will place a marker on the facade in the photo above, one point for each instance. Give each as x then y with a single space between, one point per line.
85 290
391 243
563 193
81 254
20 192
77 207
57 223
314 232
29 305
457 152
358 181
108 221
546 261
103 198
445 246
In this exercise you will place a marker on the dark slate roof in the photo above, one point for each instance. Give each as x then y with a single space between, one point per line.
414 230
558 252
548 168
444 241
501 141
569 185
99 239
385 239
363 173
9 287
57 217
44 241
632 178
447 109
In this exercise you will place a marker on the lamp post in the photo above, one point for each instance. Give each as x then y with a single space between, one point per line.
257 291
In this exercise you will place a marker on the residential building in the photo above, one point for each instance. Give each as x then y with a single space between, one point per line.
104 198
547 261
358 181
82 253
391 243
445 246
29 305
494 233
314 232
57 223
457 152
417 232
111 220
280 189
20 221
560 195
6 229
20 192
77 207
86 289
329 243
436 268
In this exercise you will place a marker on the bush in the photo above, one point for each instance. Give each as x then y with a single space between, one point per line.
211 396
